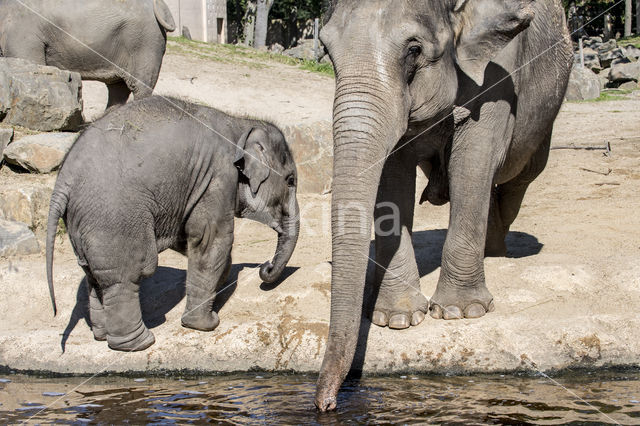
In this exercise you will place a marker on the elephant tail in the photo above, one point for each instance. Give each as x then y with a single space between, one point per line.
163 15
57 209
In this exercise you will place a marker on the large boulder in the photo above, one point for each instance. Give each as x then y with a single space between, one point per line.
28 204
583 85
6 135
609 57
621 73
42 153
304 50
312 149
632 52
16 239
39 97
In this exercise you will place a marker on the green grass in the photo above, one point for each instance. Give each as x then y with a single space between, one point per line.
611 95
631 40
232 54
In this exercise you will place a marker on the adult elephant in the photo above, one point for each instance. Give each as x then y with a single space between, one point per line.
462 90
118 42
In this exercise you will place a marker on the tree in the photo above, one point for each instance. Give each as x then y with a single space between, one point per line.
627 18
262 22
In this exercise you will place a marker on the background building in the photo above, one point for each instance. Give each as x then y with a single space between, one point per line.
205 19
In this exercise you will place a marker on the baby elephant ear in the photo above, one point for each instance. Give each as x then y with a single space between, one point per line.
483 27
250 158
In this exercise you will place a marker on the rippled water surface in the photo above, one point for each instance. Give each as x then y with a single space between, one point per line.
584 398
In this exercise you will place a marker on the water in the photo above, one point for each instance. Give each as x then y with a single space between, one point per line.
585 398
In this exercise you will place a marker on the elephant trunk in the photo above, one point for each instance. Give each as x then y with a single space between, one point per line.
366 127
270 271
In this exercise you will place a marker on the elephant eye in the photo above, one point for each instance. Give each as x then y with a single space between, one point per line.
415 50
291 180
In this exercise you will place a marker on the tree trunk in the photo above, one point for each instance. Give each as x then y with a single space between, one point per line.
262 22
628 17
249 23
638 17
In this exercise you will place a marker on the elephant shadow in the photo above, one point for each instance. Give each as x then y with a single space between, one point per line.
160 293
428 249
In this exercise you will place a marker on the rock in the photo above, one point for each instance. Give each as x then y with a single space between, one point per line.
29 205
592 42
304 51
603 76
6 136
39 97
608 57
607 46
40 153
312 148
16 239
629 85
276 48
621 73
591 59
186 33
632 52
584 84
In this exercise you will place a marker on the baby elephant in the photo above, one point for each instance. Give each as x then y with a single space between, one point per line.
162 173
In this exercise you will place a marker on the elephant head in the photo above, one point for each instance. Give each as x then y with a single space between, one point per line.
398 64
267 191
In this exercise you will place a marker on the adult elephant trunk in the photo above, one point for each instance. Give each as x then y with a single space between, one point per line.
367 125
270 271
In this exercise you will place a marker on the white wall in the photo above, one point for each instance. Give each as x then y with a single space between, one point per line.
201 17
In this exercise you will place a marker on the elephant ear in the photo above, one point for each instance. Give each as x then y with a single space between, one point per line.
250 158
163 15
483 28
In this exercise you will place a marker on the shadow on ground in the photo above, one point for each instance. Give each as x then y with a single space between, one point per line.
160 293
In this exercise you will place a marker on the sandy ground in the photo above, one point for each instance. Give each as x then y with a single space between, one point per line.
282 93
567 295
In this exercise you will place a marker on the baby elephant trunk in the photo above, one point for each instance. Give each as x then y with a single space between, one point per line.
270 271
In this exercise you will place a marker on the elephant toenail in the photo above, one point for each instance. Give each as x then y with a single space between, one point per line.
417 317
399 321
452 312
379 318
492 307
435 311
474 310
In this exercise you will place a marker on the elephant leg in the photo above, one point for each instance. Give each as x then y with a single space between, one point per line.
507 198
461 291
96 308
125 329
209 241
118 94
208 268
144 79
399 302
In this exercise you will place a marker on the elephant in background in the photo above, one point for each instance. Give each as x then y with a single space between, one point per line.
161 174
118 42
467 90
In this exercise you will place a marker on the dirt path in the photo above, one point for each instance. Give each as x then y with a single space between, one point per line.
261 88
568 294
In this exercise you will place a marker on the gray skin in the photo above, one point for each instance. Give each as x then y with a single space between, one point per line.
118 42
163 174
460 88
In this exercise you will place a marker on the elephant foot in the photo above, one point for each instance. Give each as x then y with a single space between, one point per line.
399 310
203 321
99 333
452 303
138 340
